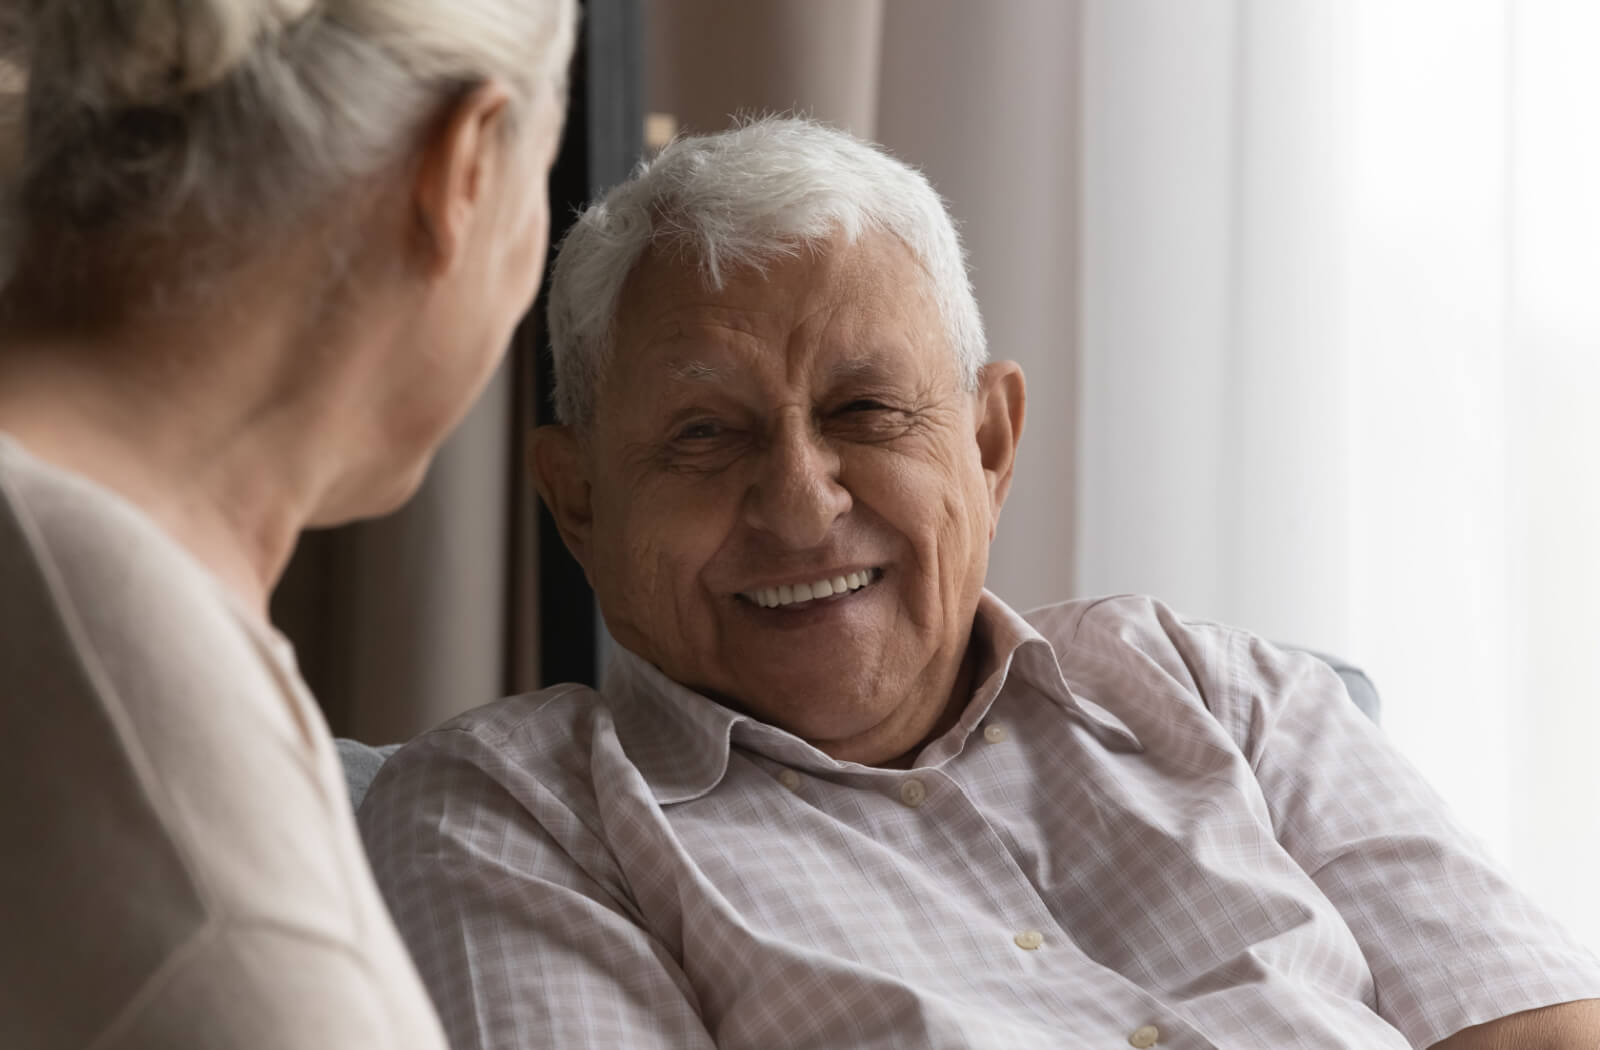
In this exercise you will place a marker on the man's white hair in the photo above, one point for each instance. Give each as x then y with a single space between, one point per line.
743 198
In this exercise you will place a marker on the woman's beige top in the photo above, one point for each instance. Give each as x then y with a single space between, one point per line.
180 863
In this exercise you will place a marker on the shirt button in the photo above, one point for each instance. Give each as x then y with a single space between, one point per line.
1030 940
1144 1036
994 734
789 779
913 794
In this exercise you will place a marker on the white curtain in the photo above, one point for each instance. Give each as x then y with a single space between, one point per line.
1340 359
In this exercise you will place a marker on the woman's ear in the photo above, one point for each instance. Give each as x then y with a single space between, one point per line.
561 474
459 158
1001 404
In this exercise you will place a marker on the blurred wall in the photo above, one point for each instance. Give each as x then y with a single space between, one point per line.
984 99
710 59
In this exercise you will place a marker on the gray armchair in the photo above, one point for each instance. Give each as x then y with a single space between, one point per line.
361 764
1356 683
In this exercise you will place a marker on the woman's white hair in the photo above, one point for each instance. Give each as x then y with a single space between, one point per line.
744 198
135 120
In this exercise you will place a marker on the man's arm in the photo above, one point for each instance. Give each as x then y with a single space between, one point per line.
1570 1026
520 925
1451 945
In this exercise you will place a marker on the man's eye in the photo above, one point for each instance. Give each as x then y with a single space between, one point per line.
864 404
701 430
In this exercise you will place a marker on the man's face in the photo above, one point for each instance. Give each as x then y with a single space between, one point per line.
800 431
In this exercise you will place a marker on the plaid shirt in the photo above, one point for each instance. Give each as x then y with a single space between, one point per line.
1143 830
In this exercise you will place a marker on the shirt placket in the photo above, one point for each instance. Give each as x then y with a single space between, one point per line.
1098 1005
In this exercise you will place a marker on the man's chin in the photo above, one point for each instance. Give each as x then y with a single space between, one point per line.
811 705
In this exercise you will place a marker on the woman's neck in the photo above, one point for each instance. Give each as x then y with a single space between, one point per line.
187 426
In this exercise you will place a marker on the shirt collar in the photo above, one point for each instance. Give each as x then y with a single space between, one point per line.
680 740
677 738
1021 653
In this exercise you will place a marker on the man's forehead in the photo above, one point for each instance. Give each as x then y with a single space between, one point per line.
840 314
855 364
796 277
866 291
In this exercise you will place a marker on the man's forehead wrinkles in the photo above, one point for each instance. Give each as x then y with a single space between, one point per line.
878 365
669 335
681 316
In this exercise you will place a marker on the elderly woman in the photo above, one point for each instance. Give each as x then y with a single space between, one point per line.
261 255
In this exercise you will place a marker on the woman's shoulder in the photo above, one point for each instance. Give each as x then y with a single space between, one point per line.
158 778
109 599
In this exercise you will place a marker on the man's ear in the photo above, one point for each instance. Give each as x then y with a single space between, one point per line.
560 473
459 159
1001 401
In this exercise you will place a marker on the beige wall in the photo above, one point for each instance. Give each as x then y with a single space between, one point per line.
709 59
983 98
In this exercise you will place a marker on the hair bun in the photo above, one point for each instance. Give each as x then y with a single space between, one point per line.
146 52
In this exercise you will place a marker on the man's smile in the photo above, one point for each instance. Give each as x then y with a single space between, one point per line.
806 593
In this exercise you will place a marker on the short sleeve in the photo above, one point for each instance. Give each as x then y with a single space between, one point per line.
514 909
1450 941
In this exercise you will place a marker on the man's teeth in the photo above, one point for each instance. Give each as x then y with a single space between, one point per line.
772 597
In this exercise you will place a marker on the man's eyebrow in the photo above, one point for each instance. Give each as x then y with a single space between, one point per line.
877 366
688 371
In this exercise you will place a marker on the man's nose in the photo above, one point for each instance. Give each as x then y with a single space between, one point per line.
797 495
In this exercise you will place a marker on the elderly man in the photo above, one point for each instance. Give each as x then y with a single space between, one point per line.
835 794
